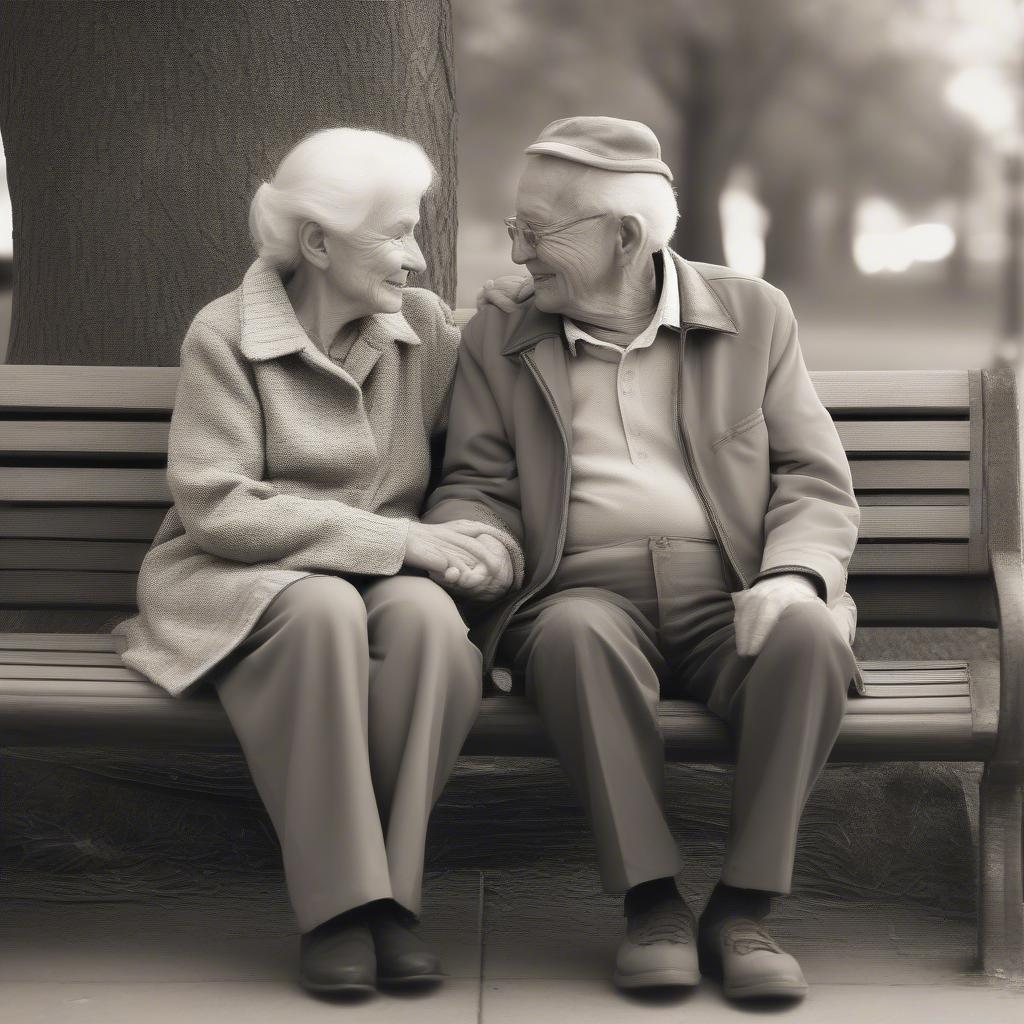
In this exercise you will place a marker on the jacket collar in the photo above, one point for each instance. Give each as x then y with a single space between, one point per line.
270 328
699 307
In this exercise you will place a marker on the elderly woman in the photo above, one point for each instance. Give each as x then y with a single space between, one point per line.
292 573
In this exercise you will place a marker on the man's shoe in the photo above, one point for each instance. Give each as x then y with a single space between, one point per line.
338 958
403 958
659 948
750 962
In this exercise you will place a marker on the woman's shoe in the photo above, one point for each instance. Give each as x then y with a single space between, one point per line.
338 957
403 958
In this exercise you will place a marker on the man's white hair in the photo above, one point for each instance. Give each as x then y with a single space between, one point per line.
648 197
332 177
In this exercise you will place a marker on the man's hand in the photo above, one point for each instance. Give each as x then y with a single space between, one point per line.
486 580
450 550
759 608
505 292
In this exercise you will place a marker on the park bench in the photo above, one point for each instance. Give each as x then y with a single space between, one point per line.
935 465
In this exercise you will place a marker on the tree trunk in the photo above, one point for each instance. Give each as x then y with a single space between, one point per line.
705 166
788 243
136 135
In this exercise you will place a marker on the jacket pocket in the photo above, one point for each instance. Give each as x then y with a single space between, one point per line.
745 424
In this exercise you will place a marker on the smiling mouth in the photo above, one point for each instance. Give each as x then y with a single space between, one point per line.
397 285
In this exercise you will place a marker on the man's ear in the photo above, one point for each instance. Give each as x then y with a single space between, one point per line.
632 238
313 244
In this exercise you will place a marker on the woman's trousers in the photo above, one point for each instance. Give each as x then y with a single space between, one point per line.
351 701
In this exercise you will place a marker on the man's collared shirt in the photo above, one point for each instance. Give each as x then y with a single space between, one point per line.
630 477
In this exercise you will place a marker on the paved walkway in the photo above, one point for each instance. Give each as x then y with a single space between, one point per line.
231 956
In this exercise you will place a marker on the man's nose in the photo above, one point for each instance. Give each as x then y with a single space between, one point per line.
414 261
521 252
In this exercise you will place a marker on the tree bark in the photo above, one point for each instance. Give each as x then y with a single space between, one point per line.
136 135
705 166
788 243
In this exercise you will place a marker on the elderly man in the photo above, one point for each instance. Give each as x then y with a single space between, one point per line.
679 515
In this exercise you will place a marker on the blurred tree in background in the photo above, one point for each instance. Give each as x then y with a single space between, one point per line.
825 101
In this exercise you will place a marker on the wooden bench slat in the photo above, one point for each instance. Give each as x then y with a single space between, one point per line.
872 499
80 522
111 658
936 600
83 436
88 555
152 389
106 673
45 642
910 474
23 588
918 705
920 522
904 603
150 438
149 486
90 485
897 559
889 665
506 726
905 435
903 391
941 518
88 388
889 523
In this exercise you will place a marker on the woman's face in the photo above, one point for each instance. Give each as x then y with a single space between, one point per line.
370 268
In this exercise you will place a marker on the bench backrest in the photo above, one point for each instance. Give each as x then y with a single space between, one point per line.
83 489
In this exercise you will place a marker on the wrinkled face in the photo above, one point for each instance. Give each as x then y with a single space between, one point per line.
573 269
370 267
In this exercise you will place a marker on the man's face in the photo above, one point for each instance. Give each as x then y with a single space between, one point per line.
371 267
573 270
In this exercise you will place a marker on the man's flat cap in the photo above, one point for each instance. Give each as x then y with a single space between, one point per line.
606 142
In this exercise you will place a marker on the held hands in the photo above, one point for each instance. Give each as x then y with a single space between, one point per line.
759 608
505 292
463 555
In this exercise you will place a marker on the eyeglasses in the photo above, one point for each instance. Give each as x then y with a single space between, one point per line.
530 235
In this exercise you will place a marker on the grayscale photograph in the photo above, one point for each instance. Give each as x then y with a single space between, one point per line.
510 511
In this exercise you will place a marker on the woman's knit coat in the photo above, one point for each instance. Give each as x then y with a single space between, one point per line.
284 462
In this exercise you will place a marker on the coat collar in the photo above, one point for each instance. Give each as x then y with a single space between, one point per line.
699 307
270 328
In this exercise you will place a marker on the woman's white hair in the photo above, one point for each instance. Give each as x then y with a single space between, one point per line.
332 177
648 197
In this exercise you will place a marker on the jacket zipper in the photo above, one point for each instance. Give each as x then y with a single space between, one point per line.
524 597
712 515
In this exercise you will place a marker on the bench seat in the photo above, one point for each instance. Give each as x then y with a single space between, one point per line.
71 689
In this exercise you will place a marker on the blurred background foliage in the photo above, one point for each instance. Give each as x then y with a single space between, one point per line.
850 151
857 153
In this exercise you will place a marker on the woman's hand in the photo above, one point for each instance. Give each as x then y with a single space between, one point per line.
461 554
505 292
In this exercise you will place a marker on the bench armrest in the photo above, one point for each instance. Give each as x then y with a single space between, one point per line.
1002 511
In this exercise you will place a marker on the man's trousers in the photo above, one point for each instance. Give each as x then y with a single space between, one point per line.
351 701
619 626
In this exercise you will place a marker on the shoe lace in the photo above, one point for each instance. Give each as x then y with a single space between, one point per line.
663 924
747 936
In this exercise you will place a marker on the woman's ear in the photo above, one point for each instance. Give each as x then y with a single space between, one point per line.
632 239
313 244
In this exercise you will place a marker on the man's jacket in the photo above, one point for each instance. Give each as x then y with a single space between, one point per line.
765 457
